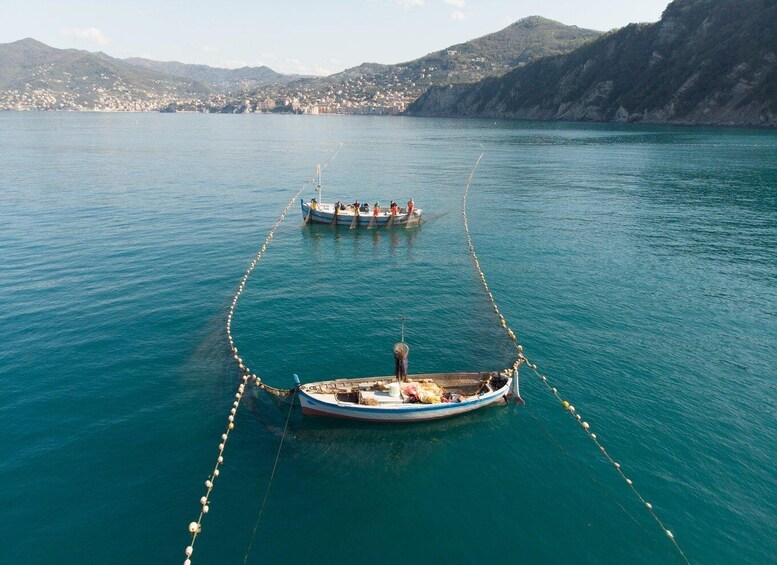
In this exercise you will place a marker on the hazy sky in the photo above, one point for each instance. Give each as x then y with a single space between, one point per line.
294 36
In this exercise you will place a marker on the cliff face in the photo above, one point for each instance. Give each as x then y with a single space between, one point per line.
704 62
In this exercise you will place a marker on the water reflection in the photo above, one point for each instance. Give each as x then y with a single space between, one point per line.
322 239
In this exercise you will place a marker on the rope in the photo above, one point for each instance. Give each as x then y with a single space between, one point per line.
553 390
269 482
195 528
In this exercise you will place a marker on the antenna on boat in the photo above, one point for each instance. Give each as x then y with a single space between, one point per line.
318 182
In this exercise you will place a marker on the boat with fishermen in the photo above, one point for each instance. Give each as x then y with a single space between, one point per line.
358 214
419 398
403 397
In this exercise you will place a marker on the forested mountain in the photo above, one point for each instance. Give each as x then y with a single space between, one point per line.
214 77
379 88
492 54
705 61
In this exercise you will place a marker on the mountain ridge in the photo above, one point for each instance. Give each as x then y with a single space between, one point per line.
220 78
491 54
704 62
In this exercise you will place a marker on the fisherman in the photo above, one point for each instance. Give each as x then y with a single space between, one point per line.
356 205
393 208
410 206
314 204
376 209
400 361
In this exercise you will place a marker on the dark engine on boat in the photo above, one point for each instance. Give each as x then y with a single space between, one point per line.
498 381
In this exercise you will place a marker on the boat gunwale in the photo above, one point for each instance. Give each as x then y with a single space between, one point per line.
410 407
313 397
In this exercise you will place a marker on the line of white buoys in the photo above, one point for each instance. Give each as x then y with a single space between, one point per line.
571 410
195 528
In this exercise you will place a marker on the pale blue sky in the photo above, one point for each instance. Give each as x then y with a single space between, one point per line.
315 37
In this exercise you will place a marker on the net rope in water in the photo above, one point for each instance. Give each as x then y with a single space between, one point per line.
195 528
571 410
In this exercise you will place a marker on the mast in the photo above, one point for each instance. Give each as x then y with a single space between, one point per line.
318 183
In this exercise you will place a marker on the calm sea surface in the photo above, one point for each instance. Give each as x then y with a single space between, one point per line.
638 266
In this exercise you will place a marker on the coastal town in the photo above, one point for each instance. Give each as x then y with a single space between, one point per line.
352 96
350 100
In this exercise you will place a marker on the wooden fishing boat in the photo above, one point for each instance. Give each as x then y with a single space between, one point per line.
325 213
340 214
420 398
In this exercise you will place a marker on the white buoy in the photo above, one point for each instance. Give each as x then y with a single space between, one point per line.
205 509
224 437
231 418
221 447
194 527
220 459
189 551
215 472
203 500
208 484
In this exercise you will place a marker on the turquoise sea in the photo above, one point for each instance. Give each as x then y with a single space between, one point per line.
638 266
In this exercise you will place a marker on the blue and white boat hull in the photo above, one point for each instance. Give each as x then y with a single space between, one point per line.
325 214
318 400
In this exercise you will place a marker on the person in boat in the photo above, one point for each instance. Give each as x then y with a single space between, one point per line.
366 208
400 361
393 208
356 205
314 204
410 206
376 209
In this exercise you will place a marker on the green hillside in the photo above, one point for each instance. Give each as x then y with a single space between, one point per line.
378 88
705 61
217 78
